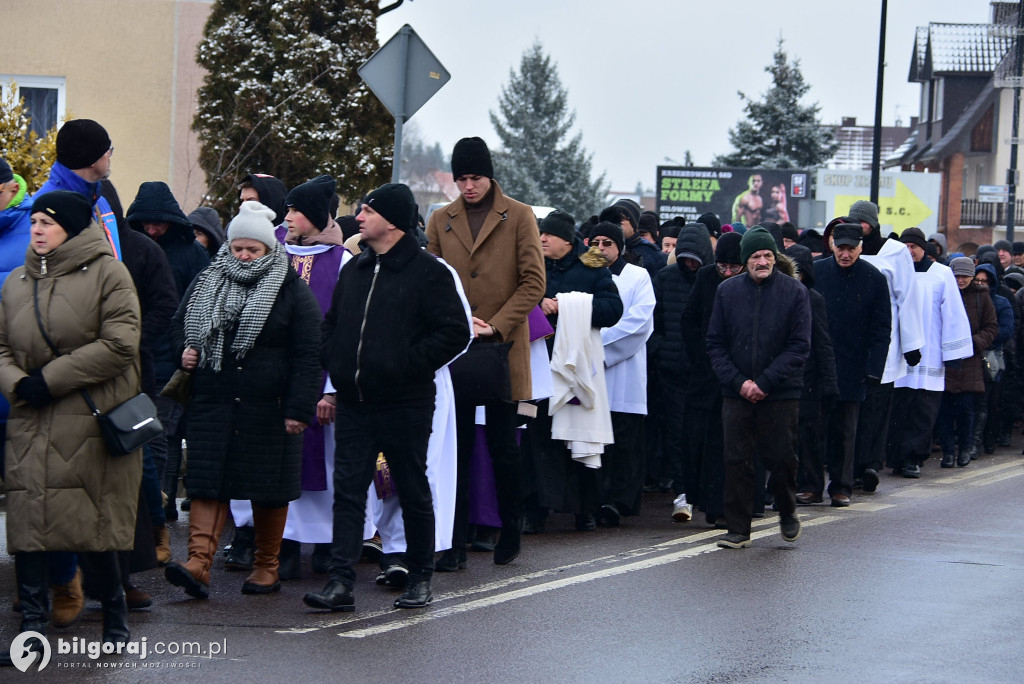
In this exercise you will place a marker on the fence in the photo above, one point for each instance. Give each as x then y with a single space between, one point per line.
975 213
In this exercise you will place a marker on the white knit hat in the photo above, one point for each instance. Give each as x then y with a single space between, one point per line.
254 221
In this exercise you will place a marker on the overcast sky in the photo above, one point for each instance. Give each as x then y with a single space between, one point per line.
651 79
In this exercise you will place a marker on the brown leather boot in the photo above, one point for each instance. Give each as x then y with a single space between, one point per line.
162 541
68 601
205 524
269 527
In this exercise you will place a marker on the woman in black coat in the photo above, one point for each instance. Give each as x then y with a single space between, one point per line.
249 330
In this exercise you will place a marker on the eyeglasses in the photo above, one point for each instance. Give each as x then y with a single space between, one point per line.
729 268
981 281
603 243
111 151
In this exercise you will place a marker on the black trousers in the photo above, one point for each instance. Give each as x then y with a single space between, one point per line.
674 433
705 460
501 418
910 426
622 464
811 447
769 430
872 428
842 436
401 432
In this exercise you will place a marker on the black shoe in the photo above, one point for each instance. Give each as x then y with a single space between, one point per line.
911 470
335 596
186 504
509 542
321 558
171 511
416 595
484 539
869 480
790 528
395 575
585 522
608 516
243 546
289 560
451 560
734 541
964 459
176 574
533 523
948 461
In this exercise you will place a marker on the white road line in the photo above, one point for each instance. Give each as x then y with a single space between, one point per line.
525 592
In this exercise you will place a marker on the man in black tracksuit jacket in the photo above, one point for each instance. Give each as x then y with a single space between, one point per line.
395 318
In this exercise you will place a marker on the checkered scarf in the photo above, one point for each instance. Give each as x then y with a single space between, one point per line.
232 293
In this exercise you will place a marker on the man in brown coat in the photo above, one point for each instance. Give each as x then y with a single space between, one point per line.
493 243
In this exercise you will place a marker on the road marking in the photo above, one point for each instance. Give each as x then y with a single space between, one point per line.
761 528
525 592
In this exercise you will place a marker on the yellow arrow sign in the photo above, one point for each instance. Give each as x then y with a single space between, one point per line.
901 211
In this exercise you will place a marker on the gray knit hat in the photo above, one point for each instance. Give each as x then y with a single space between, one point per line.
255 222
962 266
865 211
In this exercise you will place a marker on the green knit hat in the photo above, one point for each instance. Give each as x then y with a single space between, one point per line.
754 240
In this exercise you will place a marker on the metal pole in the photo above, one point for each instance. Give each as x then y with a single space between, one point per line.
396 166
876 142
1011 174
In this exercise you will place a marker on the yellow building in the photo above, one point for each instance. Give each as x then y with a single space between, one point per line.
128 64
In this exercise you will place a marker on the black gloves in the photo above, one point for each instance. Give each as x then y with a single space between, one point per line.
913 357
33 390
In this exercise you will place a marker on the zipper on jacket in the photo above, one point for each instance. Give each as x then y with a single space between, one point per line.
362 326
42 266
757 318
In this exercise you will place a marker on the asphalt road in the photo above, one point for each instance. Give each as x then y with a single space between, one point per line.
920 582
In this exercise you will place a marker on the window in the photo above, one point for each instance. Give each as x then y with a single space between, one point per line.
43 96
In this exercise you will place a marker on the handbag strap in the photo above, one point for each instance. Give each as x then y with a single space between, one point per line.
53 347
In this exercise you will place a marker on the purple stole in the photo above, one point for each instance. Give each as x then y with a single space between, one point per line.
320 272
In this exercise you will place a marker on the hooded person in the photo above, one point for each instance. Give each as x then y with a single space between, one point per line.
208 229
941 246
626 213
669 358
268 191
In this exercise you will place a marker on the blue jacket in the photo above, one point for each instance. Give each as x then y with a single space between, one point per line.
1004 310
14 239
63 178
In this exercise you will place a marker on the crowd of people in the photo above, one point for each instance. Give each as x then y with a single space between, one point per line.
380 384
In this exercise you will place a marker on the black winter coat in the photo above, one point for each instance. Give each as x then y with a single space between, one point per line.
760 332
578 271
158 300
859 322
704 387
672 288
648 255
395 318
237 444
820 372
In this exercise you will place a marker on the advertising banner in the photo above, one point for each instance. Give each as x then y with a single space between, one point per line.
733 194
905 198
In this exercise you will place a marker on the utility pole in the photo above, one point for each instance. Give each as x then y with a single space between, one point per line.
876 142
1011 173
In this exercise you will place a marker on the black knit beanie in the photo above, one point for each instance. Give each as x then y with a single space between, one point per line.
80 142
712 222
727 251
394 201
612 231
471 158
649 224
313 199
560 224
6 175
69 209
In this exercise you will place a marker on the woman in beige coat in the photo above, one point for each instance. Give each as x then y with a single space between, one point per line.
65 492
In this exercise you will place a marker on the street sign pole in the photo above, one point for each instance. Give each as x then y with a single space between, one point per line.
1011 174
396 167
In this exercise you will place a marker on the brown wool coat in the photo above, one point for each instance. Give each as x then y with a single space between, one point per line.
981 312
502 272
64 491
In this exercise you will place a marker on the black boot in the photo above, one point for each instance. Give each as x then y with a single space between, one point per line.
510 542
417 593
289 560
451 561
103 570
243 546
336 596
31 568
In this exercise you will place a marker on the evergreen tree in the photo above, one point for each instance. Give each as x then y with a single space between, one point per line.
538 165
780 132
28 155
282 96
